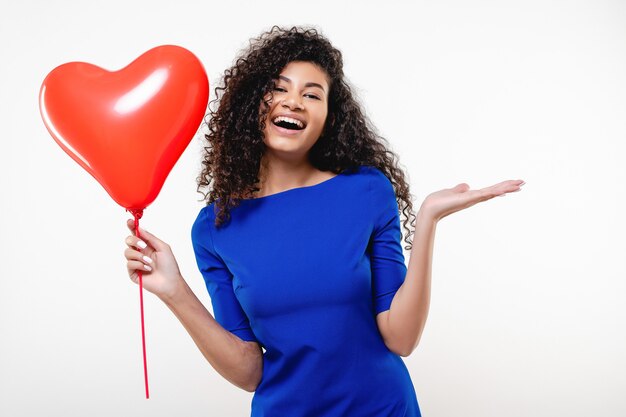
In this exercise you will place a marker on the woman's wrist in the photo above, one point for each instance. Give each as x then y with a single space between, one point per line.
425 214
177 293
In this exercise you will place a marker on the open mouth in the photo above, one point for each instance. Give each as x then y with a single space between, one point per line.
288 123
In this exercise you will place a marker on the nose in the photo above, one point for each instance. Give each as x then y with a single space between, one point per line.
293 102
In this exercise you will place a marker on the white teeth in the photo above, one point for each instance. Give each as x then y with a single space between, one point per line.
290 120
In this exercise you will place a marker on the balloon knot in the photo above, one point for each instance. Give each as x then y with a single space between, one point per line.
137 213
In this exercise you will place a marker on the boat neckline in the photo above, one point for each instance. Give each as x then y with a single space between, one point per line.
305 187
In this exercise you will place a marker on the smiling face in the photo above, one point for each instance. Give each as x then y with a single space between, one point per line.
298 111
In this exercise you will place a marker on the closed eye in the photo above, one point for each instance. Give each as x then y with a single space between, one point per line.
306 95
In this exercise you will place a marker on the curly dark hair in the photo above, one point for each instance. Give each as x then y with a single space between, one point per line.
235 139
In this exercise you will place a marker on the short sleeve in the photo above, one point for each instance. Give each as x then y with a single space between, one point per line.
386 255
219 280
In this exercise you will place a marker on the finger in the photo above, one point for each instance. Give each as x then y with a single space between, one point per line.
148 237
137 266
132 254
509 187
131 224
510 184
134 242
518 184
501 192
500 189
483 194
462 187
152 240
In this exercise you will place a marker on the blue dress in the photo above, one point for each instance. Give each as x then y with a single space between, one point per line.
304 272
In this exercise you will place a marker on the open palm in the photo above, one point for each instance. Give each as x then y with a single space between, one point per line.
450 200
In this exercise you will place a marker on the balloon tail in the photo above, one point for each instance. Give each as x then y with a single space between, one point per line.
137 213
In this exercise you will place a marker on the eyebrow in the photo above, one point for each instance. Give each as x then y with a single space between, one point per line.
309 84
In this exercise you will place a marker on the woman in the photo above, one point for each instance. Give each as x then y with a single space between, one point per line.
299 243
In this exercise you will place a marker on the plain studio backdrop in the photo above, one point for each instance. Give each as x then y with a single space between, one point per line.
527 315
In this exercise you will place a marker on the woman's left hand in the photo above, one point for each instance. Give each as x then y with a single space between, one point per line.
450 200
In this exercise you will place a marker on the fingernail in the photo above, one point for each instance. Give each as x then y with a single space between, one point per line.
147 267
145 258
142 244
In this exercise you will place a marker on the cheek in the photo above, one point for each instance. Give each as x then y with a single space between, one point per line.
321 121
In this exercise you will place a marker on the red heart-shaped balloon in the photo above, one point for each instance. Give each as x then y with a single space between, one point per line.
127 128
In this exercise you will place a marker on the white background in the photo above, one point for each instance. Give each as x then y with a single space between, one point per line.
527 312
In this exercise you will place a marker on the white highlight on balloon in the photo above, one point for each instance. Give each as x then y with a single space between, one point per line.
55 132
141 94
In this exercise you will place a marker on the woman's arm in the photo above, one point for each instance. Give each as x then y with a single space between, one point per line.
401 326
239 361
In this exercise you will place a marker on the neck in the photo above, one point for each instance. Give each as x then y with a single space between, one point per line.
277 175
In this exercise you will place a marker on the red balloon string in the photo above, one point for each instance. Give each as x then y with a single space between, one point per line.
137 214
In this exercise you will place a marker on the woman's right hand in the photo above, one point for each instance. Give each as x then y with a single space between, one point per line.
164 278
